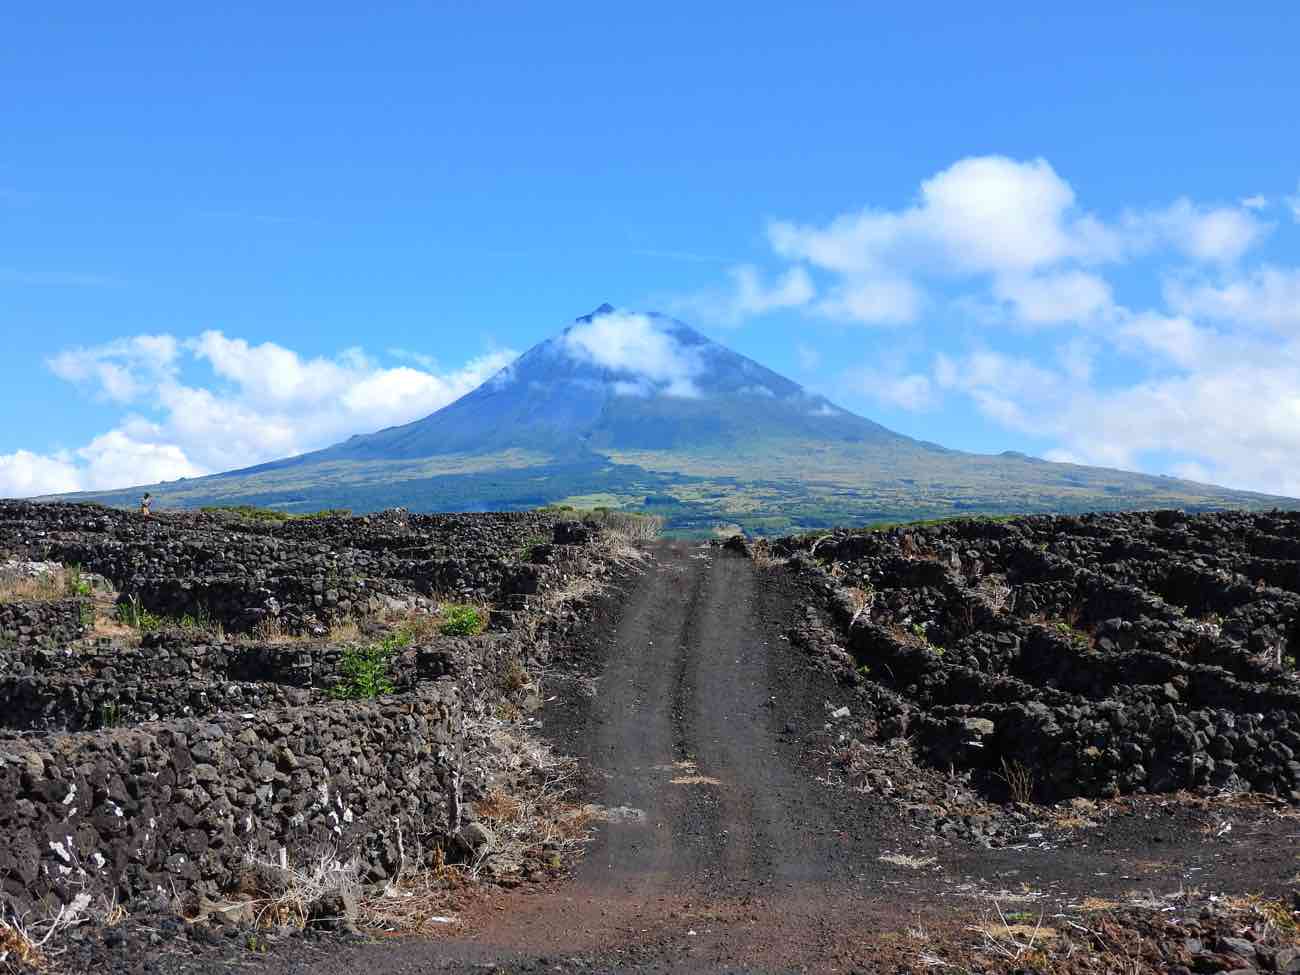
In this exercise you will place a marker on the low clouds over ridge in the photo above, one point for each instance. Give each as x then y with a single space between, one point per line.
250 403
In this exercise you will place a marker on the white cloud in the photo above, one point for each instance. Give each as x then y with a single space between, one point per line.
747 296
792 289
638 346
266 402
1216 235
1256 202
115 460
1235 417
1175 340
1014 225
912 391
122 370
1266 296
874 301
1055 297
981 214
25 474
1293 204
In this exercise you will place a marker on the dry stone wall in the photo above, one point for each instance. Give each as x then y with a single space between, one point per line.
1102 654
33 624
168 808
155 768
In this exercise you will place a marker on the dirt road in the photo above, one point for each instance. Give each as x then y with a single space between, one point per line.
722 851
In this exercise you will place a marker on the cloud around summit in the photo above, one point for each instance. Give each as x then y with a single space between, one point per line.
638 346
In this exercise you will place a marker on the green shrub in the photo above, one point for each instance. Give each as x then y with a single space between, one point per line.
250 512
137 617
365 672
77 585
462 620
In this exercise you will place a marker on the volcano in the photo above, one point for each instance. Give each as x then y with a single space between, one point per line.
642 412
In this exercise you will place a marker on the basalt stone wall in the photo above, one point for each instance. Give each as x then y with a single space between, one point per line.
177 807
47 624
69 704
154 770
111 686
1103 654
300 573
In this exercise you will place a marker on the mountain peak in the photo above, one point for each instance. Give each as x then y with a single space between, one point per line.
616 380
605 309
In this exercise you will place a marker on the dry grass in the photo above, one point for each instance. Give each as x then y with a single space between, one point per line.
904 860
1019 779
423 902
515 677
40 589
861 600
344 631
539 823
284 893
548 602
269 629
538 819
19 951
630 527
761 553
1016 942
31 945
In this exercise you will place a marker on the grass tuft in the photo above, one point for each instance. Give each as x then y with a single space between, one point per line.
462 619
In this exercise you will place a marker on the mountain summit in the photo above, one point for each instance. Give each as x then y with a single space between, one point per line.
643 412
621 380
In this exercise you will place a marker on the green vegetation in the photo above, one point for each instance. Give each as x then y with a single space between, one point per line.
1078 639
884 526
365 669
765 489
461 619
75 583
137 617
248 512
364 672
530 543
918 630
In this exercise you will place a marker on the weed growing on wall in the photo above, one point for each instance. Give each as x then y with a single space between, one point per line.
462 620
364 672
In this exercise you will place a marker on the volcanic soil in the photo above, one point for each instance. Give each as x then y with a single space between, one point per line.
724 843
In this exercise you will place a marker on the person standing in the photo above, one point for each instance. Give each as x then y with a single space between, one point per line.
145 503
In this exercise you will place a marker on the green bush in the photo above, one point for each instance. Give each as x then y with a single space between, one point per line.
250 512
365 672
462 620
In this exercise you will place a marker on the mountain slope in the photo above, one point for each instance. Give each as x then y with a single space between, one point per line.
642 411
581 391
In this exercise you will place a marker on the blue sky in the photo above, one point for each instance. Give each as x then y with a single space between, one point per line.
992 227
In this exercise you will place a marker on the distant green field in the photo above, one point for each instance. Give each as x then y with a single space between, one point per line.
765 489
